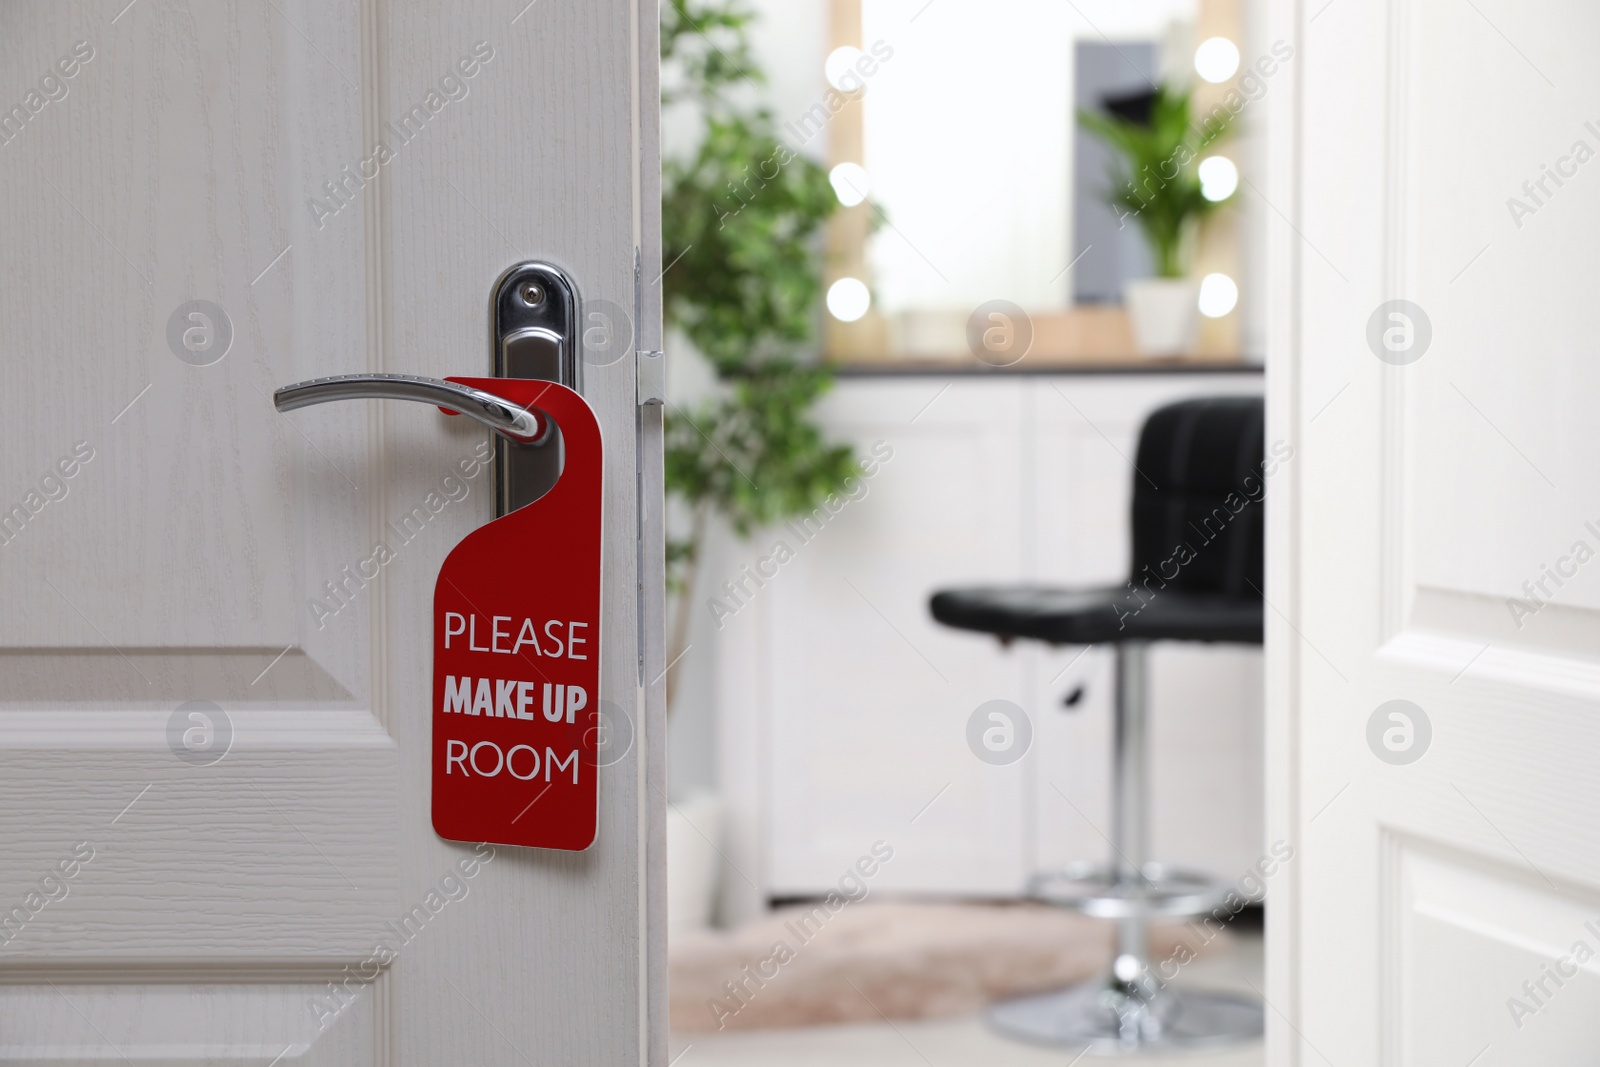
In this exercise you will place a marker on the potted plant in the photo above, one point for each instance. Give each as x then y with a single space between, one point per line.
1155 183
742 215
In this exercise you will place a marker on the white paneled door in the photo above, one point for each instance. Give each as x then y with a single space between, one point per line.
1434 636
215 653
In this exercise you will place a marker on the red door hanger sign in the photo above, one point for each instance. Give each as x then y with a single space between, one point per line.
516 653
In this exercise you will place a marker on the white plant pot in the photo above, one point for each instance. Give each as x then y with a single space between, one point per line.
694 832
1165 315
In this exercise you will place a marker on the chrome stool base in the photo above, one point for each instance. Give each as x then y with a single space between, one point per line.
1100 890
1110 1018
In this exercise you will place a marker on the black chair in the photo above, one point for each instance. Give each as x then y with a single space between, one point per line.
1196 576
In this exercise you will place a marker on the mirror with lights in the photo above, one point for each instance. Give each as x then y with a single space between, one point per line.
981 219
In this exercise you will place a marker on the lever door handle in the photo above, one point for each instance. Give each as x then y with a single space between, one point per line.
525 426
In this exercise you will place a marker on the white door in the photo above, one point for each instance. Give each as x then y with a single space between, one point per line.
215 843
1433 540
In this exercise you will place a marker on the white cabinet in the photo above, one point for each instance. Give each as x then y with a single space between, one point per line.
842 707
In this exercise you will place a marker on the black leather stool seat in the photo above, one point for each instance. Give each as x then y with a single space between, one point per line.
1093 616
1197 544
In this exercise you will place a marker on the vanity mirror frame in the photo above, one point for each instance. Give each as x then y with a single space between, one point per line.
1076 335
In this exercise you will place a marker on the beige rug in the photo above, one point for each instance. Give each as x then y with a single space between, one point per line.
876 960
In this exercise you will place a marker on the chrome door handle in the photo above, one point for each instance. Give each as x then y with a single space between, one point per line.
522 425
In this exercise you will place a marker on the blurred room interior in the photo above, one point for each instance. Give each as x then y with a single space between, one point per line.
997 330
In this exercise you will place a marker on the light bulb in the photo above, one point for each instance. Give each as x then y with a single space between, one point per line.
850 183
1217 59
1218 295
1218 178
840 68
848 299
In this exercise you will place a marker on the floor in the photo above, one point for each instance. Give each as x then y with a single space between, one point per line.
959 1042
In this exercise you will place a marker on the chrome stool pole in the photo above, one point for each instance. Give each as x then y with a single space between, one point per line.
1130 820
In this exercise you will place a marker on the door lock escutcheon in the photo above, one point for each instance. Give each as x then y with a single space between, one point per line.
533 322
534 332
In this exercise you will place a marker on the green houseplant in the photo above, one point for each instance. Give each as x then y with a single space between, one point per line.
741 221
1155 183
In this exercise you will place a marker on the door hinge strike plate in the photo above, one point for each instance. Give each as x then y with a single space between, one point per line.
652 378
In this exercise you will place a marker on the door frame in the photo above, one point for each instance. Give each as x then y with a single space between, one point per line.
1280 129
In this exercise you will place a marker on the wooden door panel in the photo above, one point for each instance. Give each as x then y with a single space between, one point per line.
1426 492
1475 944
186 527
279 568
283 852
206 1018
